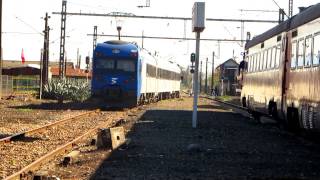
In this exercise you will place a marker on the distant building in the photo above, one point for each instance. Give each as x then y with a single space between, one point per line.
32 68
227 73
18 77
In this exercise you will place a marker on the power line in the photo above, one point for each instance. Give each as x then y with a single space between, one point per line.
164 17
280 8
259 10
28 33
28 25
170 38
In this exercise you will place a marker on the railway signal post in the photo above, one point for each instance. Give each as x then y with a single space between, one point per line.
198 19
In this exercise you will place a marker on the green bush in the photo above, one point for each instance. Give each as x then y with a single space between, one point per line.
67 89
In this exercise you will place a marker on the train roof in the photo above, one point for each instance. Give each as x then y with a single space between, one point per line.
307 15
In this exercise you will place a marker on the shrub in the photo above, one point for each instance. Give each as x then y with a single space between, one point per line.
67 89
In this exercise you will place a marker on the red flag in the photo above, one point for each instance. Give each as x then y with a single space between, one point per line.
22 57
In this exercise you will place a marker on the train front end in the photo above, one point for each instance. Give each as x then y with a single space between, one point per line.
114 74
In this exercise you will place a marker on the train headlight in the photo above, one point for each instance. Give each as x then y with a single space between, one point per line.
134 53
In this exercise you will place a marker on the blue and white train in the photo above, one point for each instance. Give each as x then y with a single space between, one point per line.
125 75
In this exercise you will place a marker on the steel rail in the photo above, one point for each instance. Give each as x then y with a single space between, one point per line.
226 103
23 173
42 128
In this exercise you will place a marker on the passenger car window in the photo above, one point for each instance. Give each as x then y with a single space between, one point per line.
269 58
294 55
308 53
258 62
278 56
262 59
251 63
316 50
273 57
300 53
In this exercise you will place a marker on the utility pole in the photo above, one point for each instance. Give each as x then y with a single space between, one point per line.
281 15
290 8
65 66
198 25
78 57
41 73
62 39
45 53
206 81
142 38
212 73
200 76
95 37
0 49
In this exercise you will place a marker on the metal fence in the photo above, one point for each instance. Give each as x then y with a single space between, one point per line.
19 84
25 84
7 85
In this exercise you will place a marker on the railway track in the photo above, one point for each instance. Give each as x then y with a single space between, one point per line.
26 152
42 128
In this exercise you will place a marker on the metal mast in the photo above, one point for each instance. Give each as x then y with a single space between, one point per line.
290 8
95 30
0 48
62 38
45 54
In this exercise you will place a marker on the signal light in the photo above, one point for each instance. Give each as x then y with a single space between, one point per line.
193 57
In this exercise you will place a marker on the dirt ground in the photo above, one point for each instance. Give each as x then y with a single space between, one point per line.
225 145
21 114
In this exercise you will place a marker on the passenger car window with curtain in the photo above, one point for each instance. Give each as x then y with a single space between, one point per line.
294 55
316 50
300 53
273 57
308 56
269 58
278 57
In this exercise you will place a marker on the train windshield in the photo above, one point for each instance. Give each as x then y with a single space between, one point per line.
126 65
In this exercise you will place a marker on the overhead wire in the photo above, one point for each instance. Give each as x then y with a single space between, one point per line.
280 8
25 23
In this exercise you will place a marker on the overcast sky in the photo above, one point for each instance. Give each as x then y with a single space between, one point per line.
23 26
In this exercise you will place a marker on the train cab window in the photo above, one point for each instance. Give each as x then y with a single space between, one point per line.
294 55
278 56
300 53
316 50
105 64
308 53
126 65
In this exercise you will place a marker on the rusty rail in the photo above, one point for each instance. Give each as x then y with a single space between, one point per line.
26 171
43 128
226 103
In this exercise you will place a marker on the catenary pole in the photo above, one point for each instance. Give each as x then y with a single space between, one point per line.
212 73
206 80
0 49
195 82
